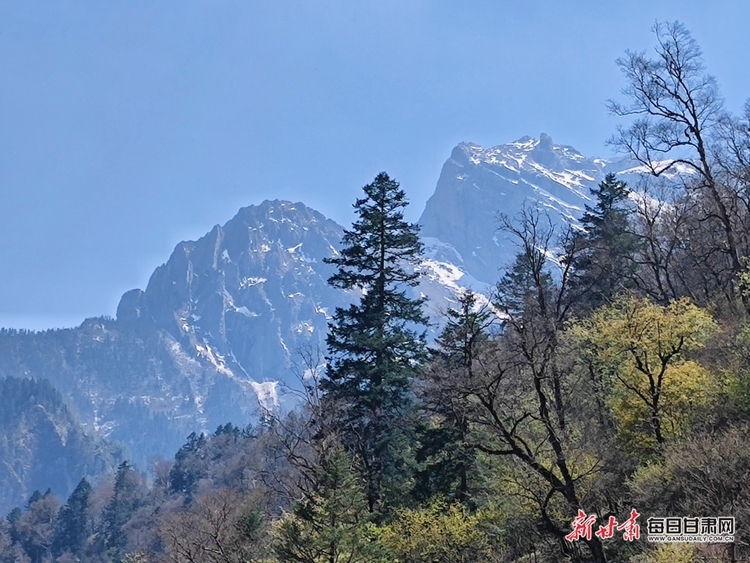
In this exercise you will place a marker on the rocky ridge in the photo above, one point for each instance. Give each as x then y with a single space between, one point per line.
216 335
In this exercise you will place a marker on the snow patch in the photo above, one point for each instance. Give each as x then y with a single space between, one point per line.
214 358
251 281
676 169
322 311
247 312
304 327
313 373
267 393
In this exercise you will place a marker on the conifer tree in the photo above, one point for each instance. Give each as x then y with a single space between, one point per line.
329 523
73 521
603 260
374 346
443 391
127 497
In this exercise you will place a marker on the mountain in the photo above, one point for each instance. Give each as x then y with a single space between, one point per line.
477 183
221 328
41 445
243 299
214 332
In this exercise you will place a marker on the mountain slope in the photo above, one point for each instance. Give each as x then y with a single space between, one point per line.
477 183
217 332
41 445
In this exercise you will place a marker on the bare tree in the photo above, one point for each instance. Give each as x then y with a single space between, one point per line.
680 129
521 391
221 526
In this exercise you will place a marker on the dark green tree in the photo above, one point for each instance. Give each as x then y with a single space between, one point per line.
375 345
329 522
190 465
602 262
73 521
447 463
127 497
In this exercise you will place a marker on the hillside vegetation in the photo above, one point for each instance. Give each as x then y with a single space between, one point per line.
607 378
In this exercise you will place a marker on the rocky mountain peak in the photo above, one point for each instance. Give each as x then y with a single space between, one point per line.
545 142
478 182
219 326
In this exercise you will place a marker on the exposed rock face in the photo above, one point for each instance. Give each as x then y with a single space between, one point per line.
477 183
247 295
216 331
42 446
214 336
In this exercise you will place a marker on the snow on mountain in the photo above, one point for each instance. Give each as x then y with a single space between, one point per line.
218 331
477 183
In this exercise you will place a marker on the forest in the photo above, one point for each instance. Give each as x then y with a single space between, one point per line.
606 381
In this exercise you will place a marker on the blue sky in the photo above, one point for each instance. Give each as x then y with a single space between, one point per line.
126 127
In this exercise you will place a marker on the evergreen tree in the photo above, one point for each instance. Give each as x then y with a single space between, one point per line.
447 461
329 524
374 346
73 521
189 465
127 497
603 258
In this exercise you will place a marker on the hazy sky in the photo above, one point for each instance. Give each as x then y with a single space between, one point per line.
128 126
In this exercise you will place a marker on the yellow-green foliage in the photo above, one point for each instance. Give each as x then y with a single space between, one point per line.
330 524
639 348
737 374
438 533
669 553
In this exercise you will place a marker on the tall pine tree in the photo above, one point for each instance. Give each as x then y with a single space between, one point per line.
448 464
127 497
73 521
375 346
603 259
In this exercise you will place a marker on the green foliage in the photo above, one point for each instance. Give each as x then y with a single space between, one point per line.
527 287
189 465
448 464
602 256
735 367
641 349
41 442
126 498
250 523
21 394
437 533
73 521
374 347
330 523
637 403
